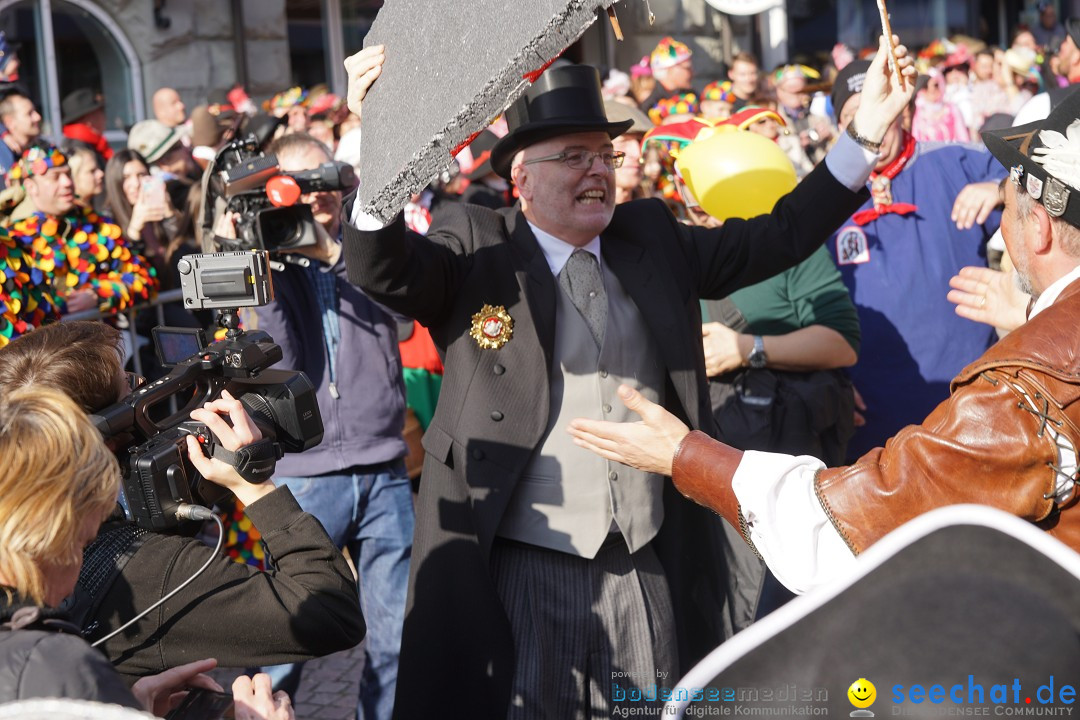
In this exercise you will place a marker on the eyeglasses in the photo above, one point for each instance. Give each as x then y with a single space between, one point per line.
583 159
134 381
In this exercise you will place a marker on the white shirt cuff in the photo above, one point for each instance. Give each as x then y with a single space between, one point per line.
362 220
786 522
851 163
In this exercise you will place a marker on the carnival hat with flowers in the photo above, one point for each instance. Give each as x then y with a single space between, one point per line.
678 104
718 92
669 53
37 160
1043 158
795 72
286 99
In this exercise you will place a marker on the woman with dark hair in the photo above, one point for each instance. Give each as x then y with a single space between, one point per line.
139 204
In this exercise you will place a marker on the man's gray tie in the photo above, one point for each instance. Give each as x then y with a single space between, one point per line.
582 281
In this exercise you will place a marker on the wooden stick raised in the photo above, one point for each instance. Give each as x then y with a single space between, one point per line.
887 30
614 22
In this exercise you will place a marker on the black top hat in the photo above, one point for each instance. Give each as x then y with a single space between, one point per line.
78 104
563 100
1017 148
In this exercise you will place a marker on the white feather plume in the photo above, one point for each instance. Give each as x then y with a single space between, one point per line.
1060 154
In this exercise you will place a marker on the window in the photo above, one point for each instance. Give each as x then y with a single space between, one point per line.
307 47
321 34
65 45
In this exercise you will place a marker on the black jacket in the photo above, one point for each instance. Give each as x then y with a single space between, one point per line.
457 650
42 655
307 607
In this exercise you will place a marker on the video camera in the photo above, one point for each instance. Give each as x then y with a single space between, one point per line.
160 483
245 181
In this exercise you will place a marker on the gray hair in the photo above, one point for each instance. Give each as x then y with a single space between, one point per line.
1067 235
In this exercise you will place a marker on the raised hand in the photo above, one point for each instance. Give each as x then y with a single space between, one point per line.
882 97
363 68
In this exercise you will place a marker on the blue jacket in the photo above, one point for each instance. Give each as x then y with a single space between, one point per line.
897 269
363 425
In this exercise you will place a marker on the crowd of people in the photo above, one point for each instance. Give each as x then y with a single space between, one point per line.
779 272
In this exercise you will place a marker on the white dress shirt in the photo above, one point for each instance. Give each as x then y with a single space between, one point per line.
787 523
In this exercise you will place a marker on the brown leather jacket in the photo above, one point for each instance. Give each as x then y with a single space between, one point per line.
986 444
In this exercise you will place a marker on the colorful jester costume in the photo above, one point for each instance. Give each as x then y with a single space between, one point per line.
44 258
84 250
26 299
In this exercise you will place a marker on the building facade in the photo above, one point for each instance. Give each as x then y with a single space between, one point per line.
126 49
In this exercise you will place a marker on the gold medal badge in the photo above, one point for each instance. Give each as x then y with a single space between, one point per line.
492 327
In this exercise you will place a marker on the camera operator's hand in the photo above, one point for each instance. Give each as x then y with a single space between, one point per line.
327 250
162 692
242 432
225 225
252 700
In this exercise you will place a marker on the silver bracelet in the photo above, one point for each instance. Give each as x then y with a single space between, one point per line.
873 147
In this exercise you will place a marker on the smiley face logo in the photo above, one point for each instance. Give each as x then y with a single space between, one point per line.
862 693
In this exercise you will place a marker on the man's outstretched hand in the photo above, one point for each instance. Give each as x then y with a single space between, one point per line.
989 296
363 68
648 445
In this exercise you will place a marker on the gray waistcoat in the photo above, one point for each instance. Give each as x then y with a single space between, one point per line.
567 496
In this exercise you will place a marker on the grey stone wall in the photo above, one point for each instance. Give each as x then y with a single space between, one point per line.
196 53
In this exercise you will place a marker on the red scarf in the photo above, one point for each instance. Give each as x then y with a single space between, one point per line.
881 184
86 134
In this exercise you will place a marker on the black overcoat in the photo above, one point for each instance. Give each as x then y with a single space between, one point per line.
457 656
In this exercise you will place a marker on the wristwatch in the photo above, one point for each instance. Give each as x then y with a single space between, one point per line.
757 357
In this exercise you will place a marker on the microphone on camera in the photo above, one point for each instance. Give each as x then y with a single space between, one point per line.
283 191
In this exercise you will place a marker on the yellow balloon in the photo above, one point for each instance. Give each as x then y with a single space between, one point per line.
736 174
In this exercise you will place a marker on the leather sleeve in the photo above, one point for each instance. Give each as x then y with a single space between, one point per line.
702 470
979 446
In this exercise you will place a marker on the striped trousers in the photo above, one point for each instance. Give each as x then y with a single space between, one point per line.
589 635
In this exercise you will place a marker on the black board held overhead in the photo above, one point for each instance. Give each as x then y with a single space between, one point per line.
452 66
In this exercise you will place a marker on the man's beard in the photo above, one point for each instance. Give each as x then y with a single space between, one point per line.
1023 284
1021 260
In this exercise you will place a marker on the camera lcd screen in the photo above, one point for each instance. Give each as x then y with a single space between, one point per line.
175 345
